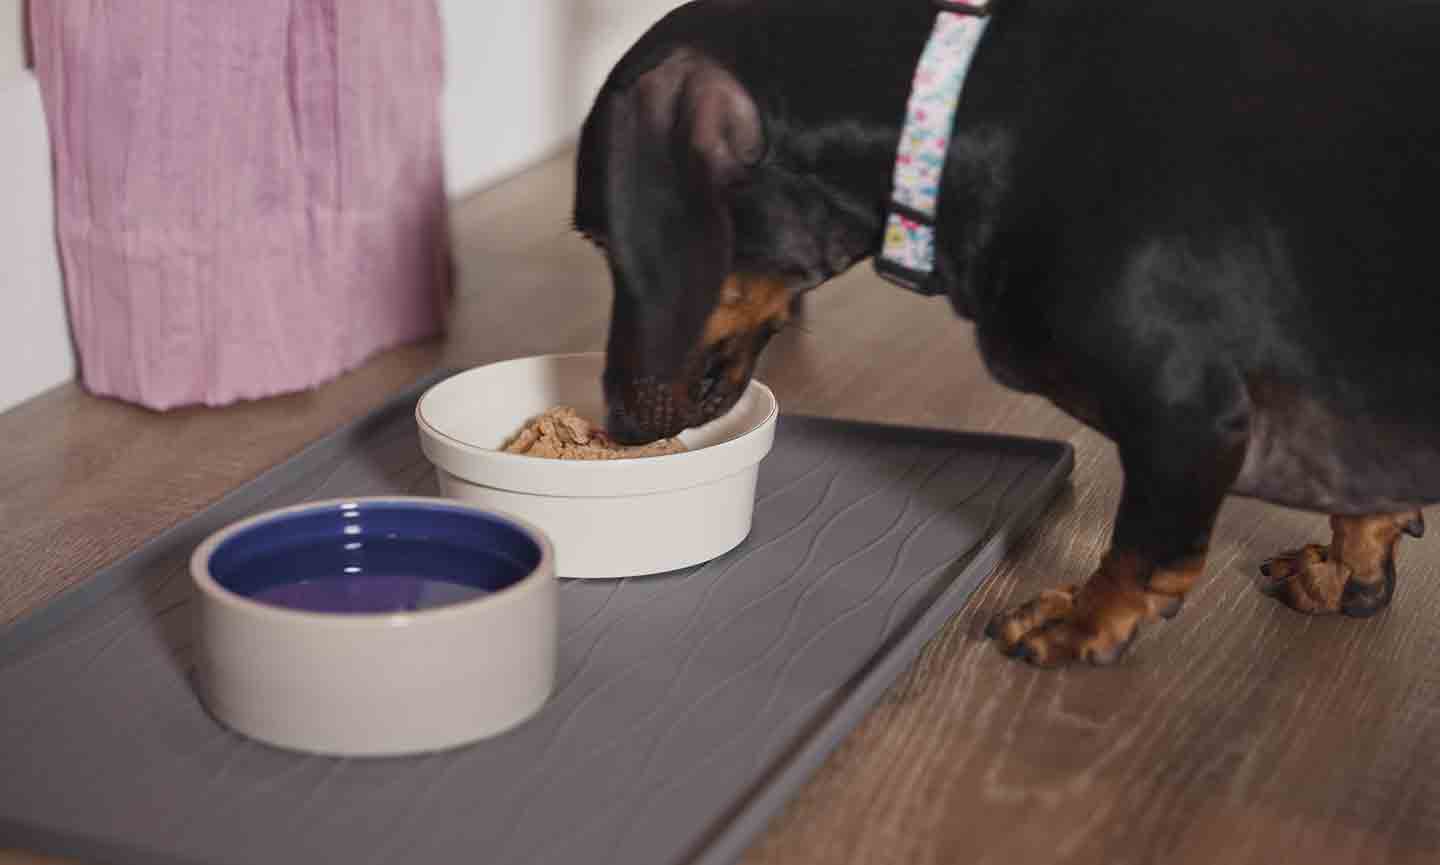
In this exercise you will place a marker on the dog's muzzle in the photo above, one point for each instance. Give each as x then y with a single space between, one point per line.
646 409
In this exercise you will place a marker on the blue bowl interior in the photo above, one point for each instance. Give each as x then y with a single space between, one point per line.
374 557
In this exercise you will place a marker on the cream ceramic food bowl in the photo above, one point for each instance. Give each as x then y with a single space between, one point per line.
375 627
606 519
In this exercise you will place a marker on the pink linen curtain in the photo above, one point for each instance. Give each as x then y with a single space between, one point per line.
249 193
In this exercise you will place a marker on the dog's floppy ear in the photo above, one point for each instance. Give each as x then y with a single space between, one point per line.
679 136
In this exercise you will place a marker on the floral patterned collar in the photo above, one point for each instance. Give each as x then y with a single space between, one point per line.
908 255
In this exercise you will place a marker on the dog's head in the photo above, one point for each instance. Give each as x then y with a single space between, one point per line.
659 160
708 244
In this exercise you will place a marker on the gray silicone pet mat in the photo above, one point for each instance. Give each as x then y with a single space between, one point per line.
688 706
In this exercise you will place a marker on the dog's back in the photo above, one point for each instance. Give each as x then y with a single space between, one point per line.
1266 171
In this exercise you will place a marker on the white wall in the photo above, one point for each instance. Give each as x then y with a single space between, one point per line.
35 352
520 76
12 45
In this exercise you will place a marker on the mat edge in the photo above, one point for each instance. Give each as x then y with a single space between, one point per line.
731 842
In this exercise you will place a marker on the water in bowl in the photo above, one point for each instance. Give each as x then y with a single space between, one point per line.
376 576
369 594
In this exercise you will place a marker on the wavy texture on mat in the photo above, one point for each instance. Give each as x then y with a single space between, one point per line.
677 696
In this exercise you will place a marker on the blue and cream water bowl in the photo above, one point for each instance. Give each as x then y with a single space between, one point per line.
375 626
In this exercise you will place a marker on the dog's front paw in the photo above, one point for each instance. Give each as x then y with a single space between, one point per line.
1067 624
1098 621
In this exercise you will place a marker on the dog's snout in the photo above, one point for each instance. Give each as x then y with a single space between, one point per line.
623 429
645 410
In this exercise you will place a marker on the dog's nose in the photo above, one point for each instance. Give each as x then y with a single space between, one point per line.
622 428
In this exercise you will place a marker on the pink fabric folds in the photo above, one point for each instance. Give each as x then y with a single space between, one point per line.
250 195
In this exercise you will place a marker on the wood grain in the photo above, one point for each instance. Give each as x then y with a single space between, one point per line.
1239 733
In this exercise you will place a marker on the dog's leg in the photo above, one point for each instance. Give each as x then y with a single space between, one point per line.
1355 575
1177 474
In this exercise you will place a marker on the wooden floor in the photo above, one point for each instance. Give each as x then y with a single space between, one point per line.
1239 733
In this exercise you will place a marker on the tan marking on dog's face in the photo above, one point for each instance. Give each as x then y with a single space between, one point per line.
747 303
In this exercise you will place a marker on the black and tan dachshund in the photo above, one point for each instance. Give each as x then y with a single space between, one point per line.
1208 230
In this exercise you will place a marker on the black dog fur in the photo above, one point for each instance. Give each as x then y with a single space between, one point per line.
1204 229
